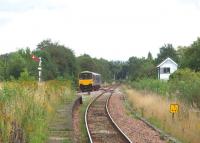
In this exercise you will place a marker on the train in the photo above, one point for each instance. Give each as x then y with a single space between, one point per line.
89 81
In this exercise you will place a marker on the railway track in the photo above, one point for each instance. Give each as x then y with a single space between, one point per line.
100 126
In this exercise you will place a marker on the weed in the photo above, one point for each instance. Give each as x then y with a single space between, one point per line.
185 125
30 106
84 135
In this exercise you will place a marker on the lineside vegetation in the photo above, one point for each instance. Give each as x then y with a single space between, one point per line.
152 99
26 108
184 85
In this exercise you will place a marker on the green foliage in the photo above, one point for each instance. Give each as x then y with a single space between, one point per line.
13 64
57 60
167 51
183 84
119 70
16 64
108 70
2 70
157 86
149 57
140 68
4 67
86 63
187 84
84 135
30 106
190 56
103 67
25 76
184 75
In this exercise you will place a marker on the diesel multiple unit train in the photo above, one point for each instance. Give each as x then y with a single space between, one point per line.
89 81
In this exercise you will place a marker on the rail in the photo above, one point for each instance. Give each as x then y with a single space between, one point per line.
117 128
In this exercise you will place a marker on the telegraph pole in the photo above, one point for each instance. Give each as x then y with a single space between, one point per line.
40 69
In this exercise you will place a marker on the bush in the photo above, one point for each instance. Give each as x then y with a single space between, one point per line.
157 86
183 84
24 76
186 84
185 75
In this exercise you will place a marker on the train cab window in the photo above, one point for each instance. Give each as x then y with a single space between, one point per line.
85 76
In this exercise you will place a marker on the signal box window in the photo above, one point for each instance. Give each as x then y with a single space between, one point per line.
166 70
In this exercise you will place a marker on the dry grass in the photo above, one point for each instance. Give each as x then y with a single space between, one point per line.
186 124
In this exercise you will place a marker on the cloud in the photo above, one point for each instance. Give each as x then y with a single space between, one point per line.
24 5
112 29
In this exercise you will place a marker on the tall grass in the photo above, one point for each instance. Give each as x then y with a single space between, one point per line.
157 86
184 90
186 124
27 107
84 135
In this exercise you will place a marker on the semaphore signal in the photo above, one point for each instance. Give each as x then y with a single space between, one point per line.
38 59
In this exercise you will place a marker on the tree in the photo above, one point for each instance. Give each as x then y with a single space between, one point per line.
116 68
58 61
123 73
103 67
141 68
150 57
167 51
183 61
16 64
191 56
25 76
86 63
4 67
134 64
2 71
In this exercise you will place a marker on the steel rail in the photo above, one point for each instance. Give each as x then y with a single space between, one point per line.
86 112
109 116
115 124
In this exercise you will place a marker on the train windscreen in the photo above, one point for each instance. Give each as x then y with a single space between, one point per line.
85 76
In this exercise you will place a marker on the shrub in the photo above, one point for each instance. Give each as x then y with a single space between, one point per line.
185 75
24 76
183 84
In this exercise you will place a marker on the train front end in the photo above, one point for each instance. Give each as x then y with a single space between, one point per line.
86 81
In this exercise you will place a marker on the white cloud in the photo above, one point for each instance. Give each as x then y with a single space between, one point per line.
112 29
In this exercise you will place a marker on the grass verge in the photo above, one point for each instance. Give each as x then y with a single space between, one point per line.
186 124
84 136
26 109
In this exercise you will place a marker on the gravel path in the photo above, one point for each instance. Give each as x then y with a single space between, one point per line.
135 129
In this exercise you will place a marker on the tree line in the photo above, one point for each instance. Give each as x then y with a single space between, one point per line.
60 62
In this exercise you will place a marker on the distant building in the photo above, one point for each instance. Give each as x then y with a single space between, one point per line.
166 68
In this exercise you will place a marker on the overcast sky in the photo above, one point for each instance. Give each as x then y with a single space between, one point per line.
111 29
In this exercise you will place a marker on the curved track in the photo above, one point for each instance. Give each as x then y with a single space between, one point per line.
100 126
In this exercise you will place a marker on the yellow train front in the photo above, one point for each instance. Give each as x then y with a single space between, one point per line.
89 81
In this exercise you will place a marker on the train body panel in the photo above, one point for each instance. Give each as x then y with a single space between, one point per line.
89 81
86 82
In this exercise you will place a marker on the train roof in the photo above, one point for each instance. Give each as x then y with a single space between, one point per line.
90 72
